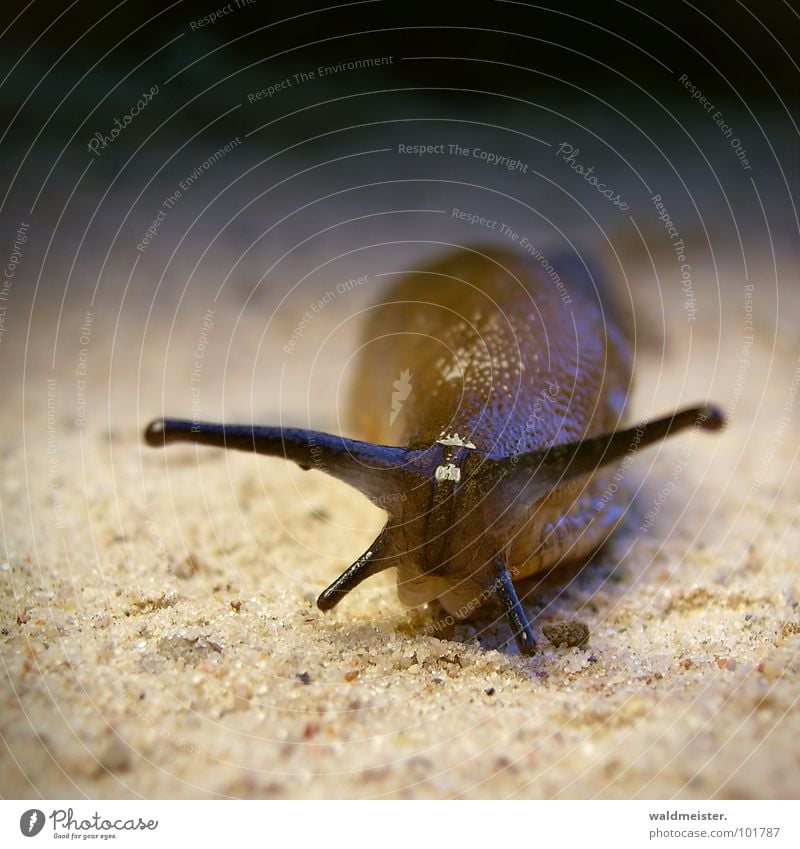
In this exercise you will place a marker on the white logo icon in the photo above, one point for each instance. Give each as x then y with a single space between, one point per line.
402 391
31 822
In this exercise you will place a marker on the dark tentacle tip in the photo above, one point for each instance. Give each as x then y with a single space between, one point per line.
328 600
526 645
712 418
155 434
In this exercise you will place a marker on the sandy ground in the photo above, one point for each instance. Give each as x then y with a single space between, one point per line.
159 636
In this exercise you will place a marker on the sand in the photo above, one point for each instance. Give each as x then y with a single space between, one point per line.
160 638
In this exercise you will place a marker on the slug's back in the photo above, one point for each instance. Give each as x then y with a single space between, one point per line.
486 344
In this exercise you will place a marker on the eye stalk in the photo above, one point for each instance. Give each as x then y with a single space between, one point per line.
532 475
374 470
518 481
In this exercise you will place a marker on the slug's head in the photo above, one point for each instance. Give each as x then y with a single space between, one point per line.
477 505
435 497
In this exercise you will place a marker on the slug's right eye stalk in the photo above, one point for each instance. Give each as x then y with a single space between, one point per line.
518 481
535 474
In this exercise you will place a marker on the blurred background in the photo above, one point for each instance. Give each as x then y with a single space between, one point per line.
110 111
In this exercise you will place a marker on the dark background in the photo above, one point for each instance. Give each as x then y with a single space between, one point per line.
305 190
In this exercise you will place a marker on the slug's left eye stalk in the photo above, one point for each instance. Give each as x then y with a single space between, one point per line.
377 471
374 470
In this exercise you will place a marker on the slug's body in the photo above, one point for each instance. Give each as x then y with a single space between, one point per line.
509 393
497 357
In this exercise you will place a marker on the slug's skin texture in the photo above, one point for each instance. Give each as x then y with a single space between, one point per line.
497 357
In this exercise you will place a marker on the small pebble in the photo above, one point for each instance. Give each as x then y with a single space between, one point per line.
572 633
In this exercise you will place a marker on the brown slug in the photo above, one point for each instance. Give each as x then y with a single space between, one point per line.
495 465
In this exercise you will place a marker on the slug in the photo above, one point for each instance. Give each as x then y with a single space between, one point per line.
492 460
